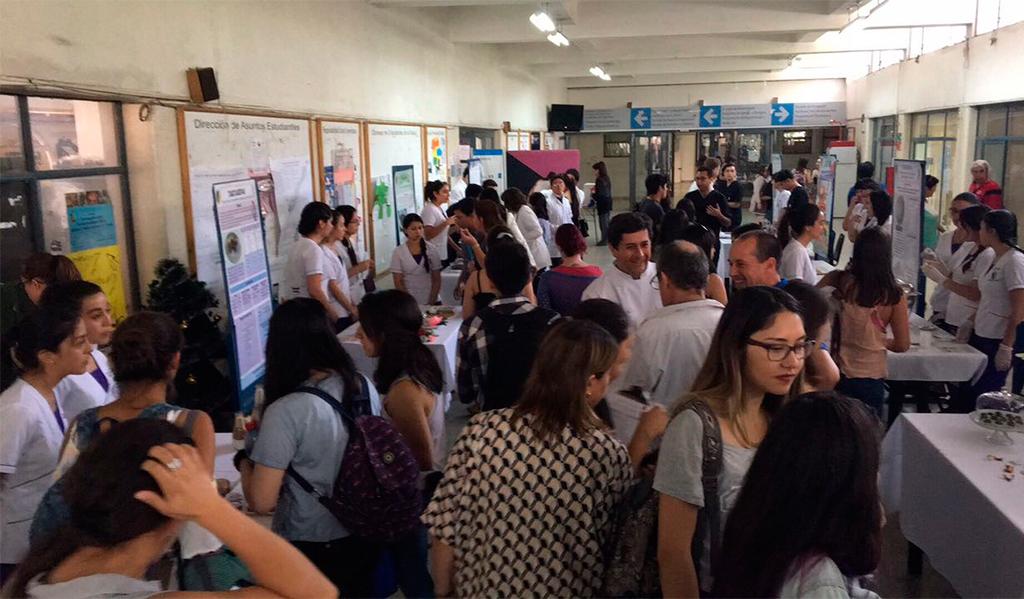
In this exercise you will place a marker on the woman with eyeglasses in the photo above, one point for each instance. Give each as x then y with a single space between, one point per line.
753 367
870 303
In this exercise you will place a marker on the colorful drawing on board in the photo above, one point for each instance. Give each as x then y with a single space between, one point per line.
382 199
436 153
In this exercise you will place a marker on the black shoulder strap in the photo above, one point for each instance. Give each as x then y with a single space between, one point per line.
711 467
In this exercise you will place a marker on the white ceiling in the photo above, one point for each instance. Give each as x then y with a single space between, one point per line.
658 42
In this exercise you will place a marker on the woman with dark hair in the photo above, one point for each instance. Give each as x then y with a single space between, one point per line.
949 242
301 430
802 174
872 213
870 303
304 274
527 498
501 216
480 290
561 287
416 264
95 387
752 369
539 203
808 520
798 229
339 287
529 227
601 196
705 239
820 371
358 264
128 496
995 329
967 265
51 345
435 222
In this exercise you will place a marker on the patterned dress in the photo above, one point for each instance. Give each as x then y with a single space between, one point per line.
526 517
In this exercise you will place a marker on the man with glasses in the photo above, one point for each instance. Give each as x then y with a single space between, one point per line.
627 283
673 342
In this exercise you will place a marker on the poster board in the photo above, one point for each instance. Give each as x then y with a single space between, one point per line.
341 163
492 166
222 147
391 146
826 201
908 220
435 151
246 279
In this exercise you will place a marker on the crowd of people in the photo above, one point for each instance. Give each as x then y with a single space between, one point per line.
757 446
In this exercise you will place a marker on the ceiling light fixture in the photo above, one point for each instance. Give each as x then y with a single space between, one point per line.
543 21
558 39
600 73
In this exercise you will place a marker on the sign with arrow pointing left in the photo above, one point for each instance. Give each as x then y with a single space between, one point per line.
640 118
710 116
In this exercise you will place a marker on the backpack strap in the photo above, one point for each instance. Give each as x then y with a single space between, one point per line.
711 467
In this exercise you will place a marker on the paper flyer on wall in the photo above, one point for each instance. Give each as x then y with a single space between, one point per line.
342 163
383 214
405 191
244 259
293 180
826 185
437 154
908 204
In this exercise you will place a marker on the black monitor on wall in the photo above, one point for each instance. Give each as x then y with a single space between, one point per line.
565 117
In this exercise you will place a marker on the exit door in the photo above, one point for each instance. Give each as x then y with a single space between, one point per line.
651 153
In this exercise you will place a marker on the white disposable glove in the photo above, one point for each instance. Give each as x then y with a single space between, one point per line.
932 272
1004 357
941 266
929 255
963 334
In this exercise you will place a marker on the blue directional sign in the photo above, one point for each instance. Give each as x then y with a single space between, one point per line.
710 116
782 115
639 118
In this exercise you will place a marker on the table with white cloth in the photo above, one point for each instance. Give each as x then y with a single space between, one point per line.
443 344
449 283
725 245
955 504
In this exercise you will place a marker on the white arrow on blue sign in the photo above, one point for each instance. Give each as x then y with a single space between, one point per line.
710 116
640 118
782 115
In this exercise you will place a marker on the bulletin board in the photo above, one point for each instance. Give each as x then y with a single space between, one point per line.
219 147
342 160
435 152
391 147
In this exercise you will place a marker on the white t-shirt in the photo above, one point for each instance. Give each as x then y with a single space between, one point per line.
994 309
779 202
636 296
796 263
959 308
306 258
670 349
356 289
416 276
822 580
30 440
458 191
79 392
433 216
334 270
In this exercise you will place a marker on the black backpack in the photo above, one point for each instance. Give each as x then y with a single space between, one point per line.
512 342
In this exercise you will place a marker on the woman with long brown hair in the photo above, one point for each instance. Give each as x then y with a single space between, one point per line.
528 492
754 366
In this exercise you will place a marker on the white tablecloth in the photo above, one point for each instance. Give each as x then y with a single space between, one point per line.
935 356
444 348
725 241
954 503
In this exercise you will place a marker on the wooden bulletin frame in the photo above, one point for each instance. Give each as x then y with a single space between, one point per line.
367 174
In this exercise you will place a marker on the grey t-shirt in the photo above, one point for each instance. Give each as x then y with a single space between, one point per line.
679 472
96 586
821 579
305 431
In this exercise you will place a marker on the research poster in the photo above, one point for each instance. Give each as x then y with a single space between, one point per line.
342 163
393 146
825 199
437 154
404 189
275 152
907 215
245 277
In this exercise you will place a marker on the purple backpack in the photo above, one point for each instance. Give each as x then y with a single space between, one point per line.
376 494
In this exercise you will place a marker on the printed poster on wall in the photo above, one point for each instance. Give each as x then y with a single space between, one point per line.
907 215
826 185
393 146
246 278
92 237
404 188
437 154
275 152
342 168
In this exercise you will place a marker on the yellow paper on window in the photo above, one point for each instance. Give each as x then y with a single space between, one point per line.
103 266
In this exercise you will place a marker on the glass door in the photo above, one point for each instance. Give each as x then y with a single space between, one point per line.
651 154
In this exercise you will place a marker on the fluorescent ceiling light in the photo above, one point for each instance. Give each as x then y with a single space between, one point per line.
598 72
541 20
558 39
606 77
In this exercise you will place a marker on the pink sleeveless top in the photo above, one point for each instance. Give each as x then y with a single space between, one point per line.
862 352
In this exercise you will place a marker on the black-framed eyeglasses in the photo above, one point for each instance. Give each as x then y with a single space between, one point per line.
778 352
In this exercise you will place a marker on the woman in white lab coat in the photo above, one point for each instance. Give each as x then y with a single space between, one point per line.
95 387
51 345
529 226
416 264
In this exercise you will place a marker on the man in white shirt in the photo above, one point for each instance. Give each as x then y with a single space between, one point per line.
673 342
631 280
559 210
458 189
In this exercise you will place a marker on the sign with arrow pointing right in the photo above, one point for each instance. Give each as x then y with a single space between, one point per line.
782 115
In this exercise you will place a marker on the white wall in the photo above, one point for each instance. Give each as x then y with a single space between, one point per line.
816 90
325 58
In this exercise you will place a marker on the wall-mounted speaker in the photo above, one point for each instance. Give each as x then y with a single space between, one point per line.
202 85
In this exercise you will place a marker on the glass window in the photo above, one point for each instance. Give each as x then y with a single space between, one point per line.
994 152
616 145
992 121
937 124
919 128
953 123
1013 184
1016 120
15 221
12 155
72 133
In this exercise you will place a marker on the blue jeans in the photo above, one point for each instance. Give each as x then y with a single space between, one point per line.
869 391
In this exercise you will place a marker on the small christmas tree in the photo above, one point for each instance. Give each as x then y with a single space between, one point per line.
199 383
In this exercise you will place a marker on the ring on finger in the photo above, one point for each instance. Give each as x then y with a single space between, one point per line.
173 464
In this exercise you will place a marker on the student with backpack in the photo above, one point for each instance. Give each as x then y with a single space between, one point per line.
302 440
497 345
753 367
525 505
